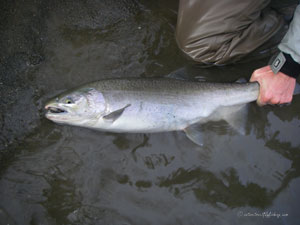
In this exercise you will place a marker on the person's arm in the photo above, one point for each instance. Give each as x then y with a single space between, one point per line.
278 87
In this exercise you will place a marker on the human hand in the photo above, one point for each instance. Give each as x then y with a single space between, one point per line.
274 88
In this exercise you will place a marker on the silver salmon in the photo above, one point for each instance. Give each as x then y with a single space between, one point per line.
143 105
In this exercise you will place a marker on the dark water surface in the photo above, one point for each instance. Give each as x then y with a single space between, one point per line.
70 175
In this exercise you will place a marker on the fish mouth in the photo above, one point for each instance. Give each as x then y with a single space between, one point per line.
55 110
58 113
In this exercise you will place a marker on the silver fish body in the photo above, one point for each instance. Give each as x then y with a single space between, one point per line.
146 104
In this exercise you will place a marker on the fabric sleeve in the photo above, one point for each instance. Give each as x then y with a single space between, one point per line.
290 44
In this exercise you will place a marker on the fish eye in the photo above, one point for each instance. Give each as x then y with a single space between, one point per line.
69 101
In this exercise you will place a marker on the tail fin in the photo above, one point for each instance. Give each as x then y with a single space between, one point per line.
297 89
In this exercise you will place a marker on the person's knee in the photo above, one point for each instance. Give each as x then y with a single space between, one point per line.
214 32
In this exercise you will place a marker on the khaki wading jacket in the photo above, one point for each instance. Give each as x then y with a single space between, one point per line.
290 44
218 32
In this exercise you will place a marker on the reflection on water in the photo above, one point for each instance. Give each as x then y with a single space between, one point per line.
80 176
71 175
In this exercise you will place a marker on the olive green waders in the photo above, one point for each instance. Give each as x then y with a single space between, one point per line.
218 32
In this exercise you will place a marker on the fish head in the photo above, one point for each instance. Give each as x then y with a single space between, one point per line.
80 107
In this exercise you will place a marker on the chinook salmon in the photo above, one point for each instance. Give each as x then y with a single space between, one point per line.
143 105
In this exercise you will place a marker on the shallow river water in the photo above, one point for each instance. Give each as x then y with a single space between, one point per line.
70 175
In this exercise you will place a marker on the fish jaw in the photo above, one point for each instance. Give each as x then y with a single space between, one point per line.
57 112
62 114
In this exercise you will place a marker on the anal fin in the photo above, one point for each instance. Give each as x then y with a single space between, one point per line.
235 116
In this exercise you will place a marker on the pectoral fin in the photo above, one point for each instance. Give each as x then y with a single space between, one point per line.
111 117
